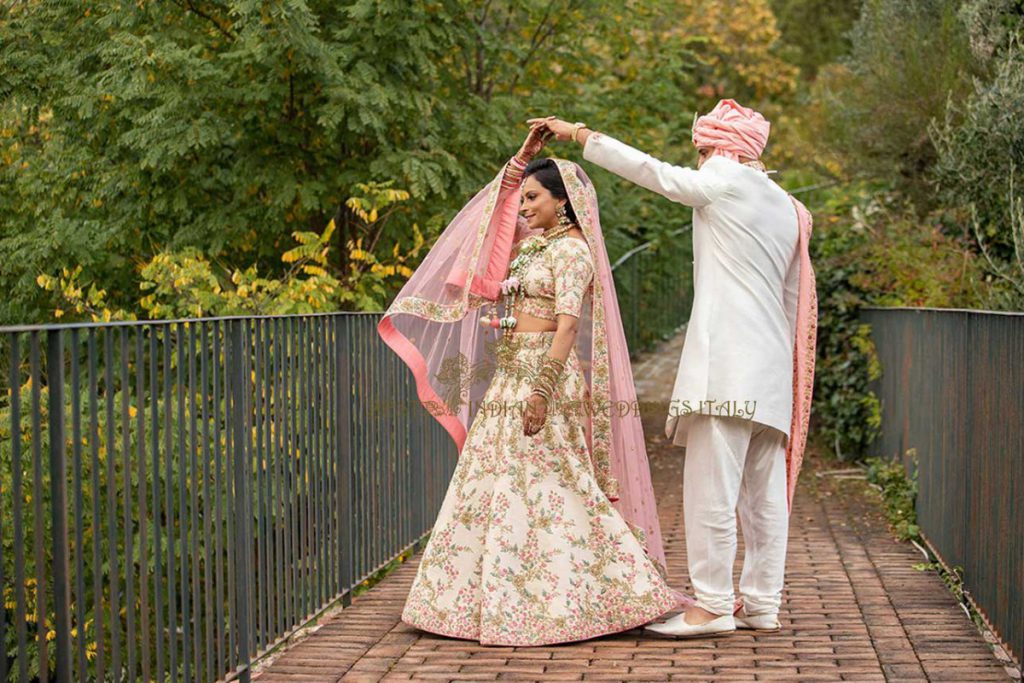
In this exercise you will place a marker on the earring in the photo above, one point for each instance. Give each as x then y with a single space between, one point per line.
563 216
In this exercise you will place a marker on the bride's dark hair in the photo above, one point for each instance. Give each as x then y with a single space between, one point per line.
550 178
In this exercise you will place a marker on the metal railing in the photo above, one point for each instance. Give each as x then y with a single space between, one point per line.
952 389
178 496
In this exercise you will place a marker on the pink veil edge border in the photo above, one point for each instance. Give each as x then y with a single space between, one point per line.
804 348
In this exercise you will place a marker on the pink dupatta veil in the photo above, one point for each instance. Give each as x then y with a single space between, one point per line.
433 325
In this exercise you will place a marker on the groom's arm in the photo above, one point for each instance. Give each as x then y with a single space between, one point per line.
684 185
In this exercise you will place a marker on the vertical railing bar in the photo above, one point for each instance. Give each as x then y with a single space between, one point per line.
408 453
144 520
380 530
301 434
218 533
357 429
129 537
232 445
249 566
391 458
332 422
291 499
308 458
168 487
240 469
112 498
37 505
158 558
198 642
97 519
18 495
295 549
308 586
266 380
15 388
321 454
281 493
58 505
312 409
183 516
79 517
364 501
344 413
333 590
260 406
280 599
206 392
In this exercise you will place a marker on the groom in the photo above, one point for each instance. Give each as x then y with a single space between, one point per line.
736 404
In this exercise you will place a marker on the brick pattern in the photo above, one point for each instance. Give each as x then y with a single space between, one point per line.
855 608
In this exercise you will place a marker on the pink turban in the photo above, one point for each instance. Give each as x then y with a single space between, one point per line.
732 130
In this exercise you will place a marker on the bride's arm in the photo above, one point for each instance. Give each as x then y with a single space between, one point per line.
531 146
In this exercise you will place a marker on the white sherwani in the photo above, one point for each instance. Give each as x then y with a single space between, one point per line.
737 358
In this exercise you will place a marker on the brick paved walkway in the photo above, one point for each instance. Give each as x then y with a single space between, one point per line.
855 608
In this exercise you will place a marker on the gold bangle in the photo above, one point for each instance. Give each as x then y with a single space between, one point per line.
576 129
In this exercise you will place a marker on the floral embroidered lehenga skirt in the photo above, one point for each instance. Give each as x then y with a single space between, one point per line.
527 549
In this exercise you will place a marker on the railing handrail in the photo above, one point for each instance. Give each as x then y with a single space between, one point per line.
941 310
106 324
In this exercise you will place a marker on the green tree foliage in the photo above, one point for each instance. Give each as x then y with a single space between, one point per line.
134 129
815 32
875 106
980 146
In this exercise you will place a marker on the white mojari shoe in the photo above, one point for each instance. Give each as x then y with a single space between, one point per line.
757 622
677 626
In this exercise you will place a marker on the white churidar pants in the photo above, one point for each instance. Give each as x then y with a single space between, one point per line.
734 462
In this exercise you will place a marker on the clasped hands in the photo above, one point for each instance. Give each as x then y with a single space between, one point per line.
562 130
542 130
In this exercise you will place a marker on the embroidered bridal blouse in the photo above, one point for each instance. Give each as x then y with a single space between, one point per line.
557 281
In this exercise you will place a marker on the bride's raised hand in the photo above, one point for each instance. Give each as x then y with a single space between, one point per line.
534 143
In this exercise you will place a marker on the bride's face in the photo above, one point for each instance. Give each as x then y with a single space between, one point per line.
538 205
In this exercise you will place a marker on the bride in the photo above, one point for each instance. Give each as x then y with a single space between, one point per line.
548 532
